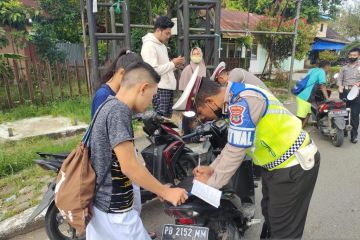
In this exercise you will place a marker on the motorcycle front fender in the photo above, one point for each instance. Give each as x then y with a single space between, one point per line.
339 122
48 198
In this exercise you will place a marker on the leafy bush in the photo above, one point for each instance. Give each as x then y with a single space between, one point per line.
282 44
330 56
344 52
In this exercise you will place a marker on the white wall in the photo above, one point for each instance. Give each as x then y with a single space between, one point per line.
257 66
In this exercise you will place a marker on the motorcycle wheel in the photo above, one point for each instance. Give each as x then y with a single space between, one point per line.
184 167
338 139
216 232
57 228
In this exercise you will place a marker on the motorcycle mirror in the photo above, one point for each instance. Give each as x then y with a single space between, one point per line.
189 114
220 123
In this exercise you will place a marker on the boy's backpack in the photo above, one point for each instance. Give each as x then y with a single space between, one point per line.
76 183
300 85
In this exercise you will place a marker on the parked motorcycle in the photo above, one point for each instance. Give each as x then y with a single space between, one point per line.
332 118
197 220
167 158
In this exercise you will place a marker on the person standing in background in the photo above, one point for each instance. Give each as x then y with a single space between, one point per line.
155 53
350 76
196 59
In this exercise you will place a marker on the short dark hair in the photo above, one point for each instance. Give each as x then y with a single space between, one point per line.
163 22
207 88
324 63
132 77
124 59
355 49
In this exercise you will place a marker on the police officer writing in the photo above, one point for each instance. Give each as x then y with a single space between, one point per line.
350 76
288 158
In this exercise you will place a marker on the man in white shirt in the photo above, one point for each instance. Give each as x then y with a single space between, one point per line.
154 52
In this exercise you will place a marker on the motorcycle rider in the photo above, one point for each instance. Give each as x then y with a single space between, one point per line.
288 180
317 80
348 77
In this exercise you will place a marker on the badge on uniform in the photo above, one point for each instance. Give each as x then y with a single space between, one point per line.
236 114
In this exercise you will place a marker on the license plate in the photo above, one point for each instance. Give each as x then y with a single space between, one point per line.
340 113
184 232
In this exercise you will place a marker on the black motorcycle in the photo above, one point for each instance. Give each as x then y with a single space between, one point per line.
167 158
197 220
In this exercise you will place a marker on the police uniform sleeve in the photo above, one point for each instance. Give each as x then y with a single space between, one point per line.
340 78
232 155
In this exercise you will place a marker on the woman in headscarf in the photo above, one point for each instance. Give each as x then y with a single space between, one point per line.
196 59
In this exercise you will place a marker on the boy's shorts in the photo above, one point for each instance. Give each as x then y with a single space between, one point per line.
113 226
303 108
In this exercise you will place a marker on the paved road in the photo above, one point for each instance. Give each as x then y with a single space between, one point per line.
335 208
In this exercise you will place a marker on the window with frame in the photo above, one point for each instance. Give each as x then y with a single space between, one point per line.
254 48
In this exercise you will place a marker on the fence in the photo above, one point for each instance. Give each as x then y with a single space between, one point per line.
39 83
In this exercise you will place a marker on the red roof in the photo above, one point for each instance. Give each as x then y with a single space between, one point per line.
31 3
236 20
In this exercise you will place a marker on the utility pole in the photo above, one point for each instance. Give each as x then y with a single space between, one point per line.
294 44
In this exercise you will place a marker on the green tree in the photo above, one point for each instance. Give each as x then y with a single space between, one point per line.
330 56
348 22
311 9
13 17
344 52
59 22
280 46
3 40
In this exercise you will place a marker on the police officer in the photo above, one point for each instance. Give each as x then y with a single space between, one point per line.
348 77
221 75
260 126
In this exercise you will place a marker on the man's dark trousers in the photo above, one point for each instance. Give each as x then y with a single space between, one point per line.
286 197
354 105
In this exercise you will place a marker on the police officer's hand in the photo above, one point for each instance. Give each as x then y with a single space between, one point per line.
176 196
203 178
203 170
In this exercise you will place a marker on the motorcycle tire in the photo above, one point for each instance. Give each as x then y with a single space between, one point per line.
338 139
53 223
230 233
184 166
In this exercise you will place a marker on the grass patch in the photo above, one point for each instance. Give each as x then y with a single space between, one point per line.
19 155
78 107
33 180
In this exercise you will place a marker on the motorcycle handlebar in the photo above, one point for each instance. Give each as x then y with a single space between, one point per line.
190 135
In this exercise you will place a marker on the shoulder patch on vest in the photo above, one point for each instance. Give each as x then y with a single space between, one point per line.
242 129
237 114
